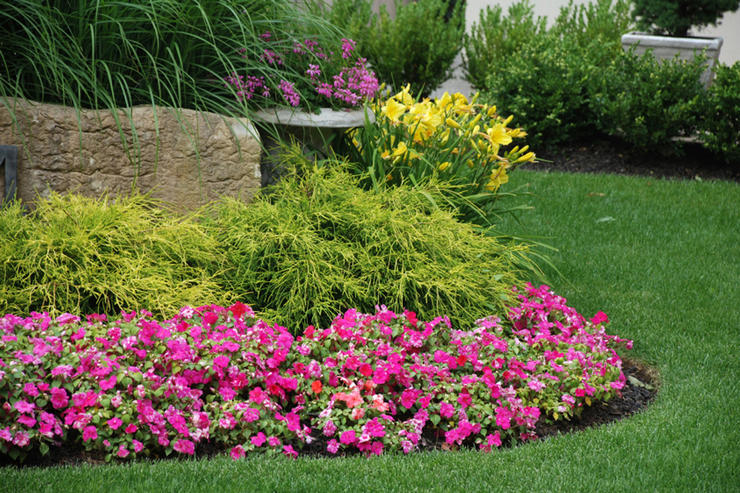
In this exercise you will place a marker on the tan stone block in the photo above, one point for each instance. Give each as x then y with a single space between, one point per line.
183 157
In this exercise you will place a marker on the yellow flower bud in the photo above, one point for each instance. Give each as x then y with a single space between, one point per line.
452 123
444 165
526 157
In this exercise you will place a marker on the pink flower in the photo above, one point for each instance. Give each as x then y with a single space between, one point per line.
409 396
535 385
138 446
348 437
108 383
21 439
289 451
184 447
24 407
114 423
29 421
89 433
446 410
503 417
332 446
329 428
221 361
31 390
273 442
347 46
131 429
464 400
407 446
122 452
259 439
251 414
600 317
237 452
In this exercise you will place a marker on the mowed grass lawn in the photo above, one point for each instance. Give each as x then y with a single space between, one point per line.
662 259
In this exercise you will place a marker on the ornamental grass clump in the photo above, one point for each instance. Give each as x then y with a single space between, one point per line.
315 244
82 255
218 379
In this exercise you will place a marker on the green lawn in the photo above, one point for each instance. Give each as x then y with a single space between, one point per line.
662 259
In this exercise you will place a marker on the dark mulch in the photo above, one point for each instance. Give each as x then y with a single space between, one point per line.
604 155
640 390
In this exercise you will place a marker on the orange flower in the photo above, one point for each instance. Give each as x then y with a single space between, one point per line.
316 386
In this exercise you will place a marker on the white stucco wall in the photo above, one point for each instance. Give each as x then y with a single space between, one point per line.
729 29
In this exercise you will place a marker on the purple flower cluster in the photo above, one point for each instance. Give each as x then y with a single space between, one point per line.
289 93
344 82
247 88
352 86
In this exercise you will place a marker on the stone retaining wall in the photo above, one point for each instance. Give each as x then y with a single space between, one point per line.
184 157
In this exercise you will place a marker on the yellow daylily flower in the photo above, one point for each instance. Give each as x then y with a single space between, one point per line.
404 96
444 165
444 102
497 134
393 110
498 178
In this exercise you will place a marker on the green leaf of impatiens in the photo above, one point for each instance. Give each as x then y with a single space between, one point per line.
43 448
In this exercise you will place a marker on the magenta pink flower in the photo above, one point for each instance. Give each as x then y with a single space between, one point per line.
138 446
237 452
89 433
122 452
290 451
114 423
26 420
184 447
131 429
348 437
332 446
259 439
31 389
21 439
24 407
108 383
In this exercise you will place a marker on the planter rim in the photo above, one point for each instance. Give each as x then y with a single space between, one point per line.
326 118
690 42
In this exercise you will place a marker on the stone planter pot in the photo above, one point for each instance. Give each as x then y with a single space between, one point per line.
314 131
667 47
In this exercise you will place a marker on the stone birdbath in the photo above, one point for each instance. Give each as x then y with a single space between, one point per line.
314 131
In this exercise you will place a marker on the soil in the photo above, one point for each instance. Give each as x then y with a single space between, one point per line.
604 155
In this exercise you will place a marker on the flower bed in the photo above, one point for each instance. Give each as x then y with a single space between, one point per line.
369 383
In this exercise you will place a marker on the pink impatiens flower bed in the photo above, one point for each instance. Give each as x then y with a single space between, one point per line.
220 378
